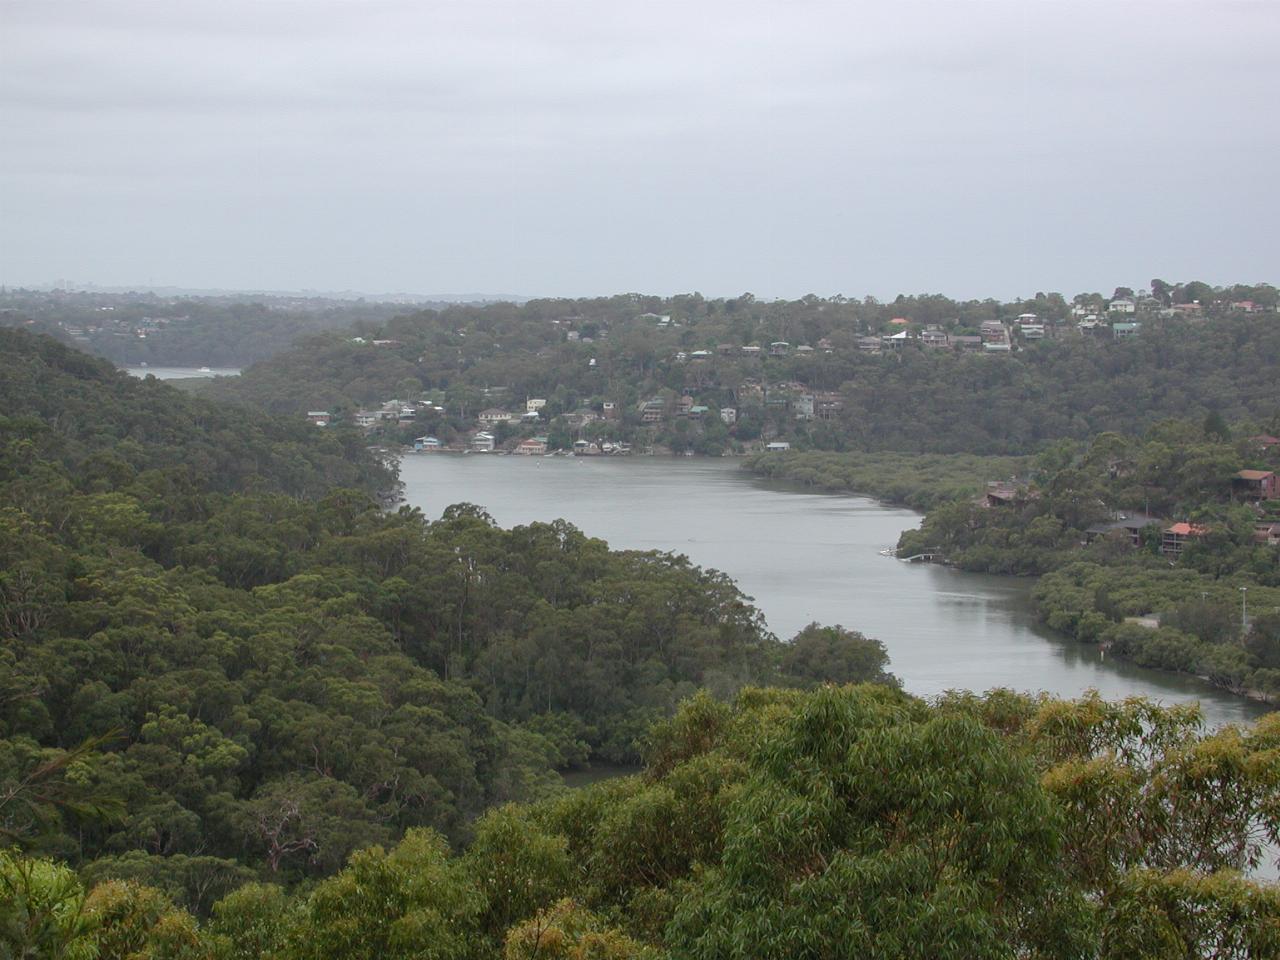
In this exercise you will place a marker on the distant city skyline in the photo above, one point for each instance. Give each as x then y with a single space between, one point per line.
574 149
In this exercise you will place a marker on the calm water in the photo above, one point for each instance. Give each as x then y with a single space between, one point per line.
806 556
180 373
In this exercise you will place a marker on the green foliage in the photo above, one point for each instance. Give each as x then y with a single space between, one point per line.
42 915
819 654
920 481
789 824
410 902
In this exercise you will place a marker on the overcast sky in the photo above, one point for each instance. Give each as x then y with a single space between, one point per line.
578 148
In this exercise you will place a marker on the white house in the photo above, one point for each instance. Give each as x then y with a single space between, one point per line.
535 404
494 415
777 446
729 415
1122 305
427 445
482 442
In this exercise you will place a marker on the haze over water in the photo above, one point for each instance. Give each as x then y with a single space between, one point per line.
807 556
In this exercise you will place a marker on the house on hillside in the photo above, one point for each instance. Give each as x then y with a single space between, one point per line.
1178 536
868 344
827 405
1265 442
934 338
1256 485
1125 331
779 348
319 417
777 446
652 411
1123 305
1132 523
1000 493
729 415
494 416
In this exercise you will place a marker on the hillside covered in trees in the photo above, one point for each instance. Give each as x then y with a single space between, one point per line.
227 330
715 376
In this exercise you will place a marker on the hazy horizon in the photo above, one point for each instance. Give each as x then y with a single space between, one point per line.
562 149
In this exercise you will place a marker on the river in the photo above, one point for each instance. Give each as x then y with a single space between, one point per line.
182 373
806 556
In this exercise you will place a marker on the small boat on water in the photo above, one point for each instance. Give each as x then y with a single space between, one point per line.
205 370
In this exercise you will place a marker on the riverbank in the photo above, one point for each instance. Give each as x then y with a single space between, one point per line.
918 481
926 482
806 555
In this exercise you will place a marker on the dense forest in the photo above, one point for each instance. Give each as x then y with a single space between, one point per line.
789 370
1176 607
278 670
849 821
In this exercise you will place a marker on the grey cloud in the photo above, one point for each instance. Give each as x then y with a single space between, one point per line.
582 147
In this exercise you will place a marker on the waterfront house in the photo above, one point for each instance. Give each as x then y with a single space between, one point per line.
533 447
427 445
1256 485
482 442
